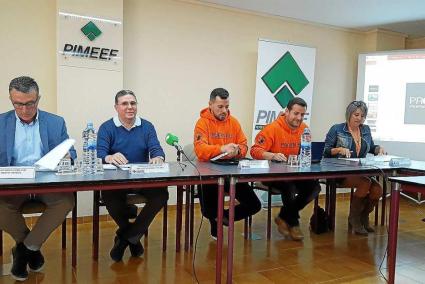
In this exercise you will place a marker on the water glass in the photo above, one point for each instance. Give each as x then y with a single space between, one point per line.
99 166
64 166
78 166
293 161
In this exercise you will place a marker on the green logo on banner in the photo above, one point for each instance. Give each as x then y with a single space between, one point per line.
286 76
91 31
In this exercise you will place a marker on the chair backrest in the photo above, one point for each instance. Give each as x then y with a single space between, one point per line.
190 153
134 198
33 206
317 150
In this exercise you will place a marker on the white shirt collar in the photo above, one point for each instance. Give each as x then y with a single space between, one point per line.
31 123
118 123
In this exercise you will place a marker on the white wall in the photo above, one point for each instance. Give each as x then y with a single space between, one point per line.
177 52
27 47
86 92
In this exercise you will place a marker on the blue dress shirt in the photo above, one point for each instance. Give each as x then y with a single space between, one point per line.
27 148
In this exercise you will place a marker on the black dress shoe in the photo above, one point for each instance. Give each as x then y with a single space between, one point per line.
118 249
35 260
19 270
136 250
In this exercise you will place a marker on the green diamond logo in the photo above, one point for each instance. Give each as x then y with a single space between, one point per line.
285 79
91 31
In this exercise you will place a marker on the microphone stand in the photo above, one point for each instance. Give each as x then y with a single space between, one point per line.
179 154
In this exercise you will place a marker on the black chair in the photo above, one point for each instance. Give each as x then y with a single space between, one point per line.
191 192
270 192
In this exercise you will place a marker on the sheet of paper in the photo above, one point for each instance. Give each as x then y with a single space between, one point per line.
52 159
350 159
379 158
109 167
384 158
125 167
219 156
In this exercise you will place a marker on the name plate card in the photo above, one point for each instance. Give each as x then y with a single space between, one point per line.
17 172
400 162
149 168
253 164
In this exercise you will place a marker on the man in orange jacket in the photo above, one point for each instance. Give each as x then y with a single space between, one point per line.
218 132
276 142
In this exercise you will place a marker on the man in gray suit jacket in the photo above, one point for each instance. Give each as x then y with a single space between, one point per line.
27 134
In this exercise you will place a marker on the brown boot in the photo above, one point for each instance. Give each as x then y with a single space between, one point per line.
295 233
357 206
364 218
282 227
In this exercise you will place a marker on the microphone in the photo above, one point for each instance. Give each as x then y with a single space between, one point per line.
173 140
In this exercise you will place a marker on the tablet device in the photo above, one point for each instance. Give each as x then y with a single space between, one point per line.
226 162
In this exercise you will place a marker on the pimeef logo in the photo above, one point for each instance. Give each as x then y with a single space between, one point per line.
91 31
284 71
285 79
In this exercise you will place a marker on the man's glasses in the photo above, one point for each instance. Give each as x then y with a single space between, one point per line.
127 104
29 104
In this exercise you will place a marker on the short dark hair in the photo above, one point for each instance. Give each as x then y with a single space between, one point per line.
23 84
296 101
219 92
124 93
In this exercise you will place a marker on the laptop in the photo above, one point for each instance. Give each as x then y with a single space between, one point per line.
317 151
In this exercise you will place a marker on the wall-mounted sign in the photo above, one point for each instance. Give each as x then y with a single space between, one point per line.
89 42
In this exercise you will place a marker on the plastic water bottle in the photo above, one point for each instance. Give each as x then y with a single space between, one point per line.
85 159
89 150
305 151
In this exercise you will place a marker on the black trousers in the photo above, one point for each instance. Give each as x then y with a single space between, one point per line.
247 199
295 196
116 203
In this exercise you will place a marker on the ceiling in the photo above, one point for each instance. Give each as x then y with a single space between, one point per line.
404 16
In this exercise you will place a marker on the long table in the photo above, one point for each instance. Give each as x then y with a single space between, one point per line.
327 169
179 175
211 174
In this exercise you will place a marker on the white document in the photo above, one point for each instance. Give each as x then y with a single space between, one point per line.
376 159
125 167
219 156
52 159
109 167
350 159
384 158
